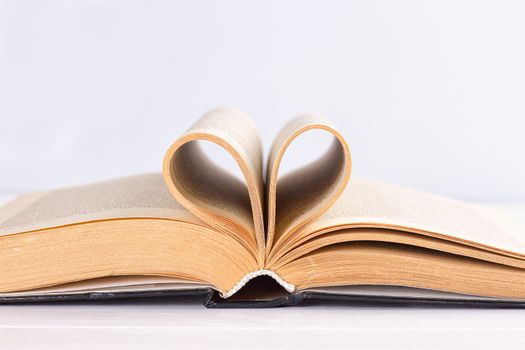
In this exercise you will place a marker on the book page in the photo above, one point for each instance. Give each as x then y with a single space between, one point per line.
211 193
382 263
135 196
304 194
113 284
369 203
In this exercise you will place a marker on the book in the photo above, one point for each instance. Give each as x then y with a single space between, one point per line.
268 239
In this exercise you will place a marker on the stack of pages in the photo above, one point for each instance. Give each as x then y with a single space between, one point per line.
312 234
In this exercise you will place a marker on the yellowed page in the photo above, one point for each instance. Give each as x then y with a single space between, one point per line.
374 263
351 235
208 191
367 203
141 196
125 247
304 194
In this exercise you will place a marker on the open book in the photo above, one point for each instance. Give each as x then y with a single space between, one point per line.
314 233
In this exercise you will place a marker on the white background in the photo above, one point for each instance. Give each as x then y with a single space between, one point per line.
430 94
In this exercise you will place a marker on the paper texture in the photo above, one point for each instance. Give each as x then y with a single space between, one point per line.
306 193
314 227
212 194
372 203
134 196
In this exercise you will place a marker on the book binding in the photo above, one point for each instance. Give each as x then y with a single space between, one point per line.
210 298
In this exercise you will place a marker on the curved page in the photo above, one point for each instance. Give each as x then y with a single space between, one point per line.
211 193
368 203
304 194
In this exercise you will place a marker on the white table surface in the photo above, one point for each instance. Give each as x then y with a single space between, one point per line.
184 324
